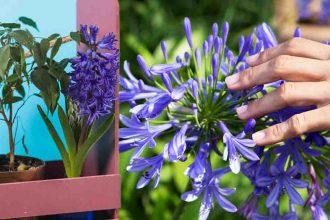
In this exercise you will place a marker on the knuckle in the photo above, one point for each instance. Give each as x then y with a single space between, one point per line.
293 45
277 131
279 63
297 124
249 75
285 91
264 55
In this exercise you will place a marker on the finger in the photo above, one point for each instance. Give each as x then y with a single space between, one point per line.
280 68
310 121
287 95
299 47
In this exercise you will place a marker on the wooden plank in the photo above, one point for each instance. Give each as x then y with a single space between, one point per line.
57 196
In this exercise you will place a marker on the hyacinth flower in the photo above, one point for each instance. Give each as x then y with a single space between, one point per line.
186 98
89 95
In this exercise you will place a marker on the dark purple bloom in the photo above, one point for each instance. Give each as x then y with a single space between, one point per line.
274 214
235 144
283 179
94 75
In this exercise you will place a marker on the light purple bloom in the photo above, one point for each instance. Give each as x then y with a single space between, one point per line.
177 145
164 49
235 144
209 184
187 30
154 164
225 31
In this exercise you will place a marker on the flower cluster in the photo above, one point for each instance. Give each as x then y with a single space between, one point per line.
189 99
94 75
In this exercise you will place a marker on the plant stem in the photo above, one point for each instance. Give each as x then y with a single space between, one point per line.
179 210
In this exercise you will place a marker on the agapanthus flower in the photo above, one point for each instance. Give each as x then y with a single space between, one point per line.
186 99
94 75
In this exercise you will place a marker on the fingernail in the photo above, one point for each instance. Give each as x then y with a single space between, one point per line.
252 59
258 136
231 80
240 110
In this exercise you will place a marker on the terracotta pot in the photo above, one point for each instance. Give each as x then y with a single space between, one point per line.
36 172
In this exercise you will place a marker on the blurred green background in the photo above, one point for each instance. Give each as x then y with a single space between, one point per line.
143 24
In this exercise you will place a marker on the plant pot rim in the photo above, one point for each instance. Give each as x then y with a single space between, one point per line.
41 166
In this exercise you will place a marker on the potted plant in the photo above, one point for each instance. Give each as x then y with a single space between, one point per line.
89 95
14 79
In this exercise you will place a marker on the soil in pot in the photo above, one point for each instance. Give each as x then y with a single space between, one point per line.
26 169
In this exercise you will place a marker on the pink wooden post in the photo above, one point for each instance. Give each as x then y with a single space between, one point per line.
99 189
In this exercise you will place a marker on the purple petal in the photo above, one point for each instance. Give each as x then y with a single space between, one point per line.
164 49
190 195
273 196
293 194
187 30
224 203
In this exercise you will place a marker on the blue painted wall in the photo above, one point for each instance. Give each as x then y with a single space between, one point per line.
51 17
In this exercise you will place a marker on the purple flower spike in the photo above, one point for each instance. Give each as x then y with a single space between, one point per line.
187 30
215 30
225 31
210 80
241 43
297 32
198 56
164 49
177 145
265 34
94 75
215 66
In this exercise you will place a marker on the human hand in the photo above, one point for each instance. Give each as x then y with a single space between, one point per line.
305 65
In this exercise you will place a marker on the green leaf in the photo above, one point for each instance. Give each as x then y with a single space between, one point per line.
23 37
55 48
41 79
92 139
76 36
54 94
10 25
29 22
12 99
69 137
58 142
20 89
4 58
37 54
53 36
44 46
12 78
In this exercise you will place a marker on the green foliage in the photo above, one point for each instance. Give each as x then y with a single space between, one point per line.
29 22
74 156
